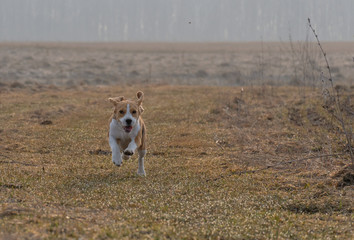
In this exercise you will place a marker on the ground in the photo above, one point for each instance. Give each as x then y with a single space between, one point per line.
208 174
257 154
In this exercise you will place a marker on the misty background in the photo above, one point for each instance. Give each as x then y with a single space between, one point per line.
174 20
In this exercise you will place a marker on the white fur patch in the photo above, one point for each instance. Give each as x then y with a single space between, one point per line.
128 115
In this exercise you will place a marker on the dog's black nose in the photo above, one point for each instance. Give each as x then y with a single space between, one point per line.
128 121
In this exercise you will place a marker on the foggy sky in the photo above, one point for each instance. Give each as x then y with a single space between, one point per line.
174 20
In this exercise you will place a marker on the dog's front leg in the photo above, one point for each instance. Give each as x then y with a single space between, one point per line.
131 148
116 156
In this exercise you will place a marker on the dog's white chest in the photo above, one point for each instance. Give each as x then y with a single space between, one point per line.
115 130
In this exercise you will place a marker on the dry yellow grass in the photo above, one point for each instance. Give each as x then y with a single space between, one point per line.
57 180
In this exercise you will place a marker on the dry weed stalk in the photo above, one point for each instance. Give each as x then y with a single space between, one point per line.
303 60
338 114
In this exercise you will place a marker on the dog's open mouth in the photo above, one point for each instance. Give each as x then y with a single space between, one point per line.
128 129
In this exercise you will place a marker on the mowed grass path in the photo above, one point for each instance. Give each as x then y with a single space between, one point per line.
57 180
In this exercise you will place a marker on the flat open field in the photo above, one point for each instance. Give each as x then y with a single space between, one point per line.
220 64
251 162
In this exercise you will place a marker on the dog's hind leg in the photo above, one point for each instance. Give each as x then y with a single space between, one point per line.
141 170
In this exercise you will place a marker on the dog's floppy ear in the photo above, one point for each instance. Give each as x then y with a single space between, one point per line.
141 109
140 96
116 100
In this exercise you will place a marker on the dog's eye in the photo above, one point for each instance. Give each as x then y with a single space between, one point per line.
133 112
121 111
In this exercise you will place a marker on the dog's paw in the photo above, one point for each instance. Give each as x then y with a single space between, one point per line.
117 163
128 152
126 157
141 173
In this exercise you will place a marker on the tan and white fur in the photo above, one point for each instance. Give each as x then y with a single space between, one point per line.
127 130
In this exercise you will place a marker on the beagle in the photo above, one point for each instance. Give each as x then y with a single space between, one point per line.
127 130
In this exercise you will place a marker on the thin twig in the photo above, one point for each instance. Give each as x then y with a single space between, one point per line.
12 212
323 52
13 186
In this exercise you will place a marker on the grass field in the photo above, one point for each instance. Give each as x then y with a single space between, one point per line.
217 64
222 164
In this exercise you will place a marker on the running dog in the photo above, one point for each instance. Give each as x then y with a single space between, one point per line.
127 130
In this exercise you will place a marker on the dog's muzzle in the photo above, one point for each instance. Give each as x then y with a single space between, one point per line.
128 129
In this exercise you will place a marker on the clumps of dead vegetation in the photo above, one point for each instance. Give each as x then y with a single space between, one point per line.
296 139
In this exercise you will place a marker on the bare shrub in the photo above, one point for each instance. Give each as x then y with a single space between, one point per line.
332 99
234 77
201 74
304 60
